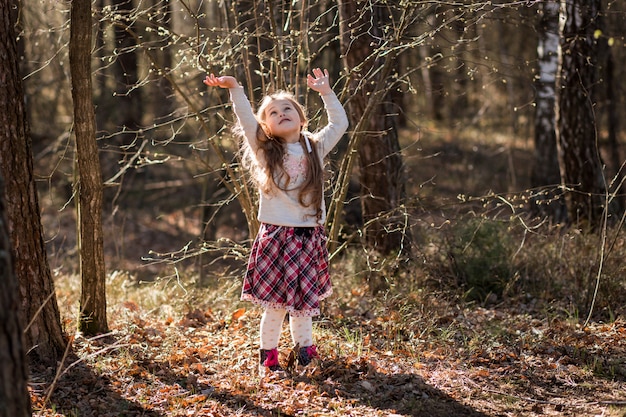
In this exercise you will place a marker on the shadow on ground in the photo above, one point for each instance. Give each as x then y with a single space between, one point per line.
80 391
357 386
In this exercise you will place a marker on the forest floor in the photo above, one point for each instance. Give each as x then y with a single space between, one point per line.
180 349
420 355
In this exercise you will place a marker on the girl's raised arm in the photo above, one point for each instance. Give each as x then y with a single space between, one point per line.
337 118
245 117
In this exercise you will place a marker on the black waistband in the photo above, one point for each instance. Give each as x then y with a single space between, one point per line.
303 231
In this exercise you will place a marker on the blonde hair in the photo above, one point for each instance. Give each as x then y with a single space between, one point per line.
272 174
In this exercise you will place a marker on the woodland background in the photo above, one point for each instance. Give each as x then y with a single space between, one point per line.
473 275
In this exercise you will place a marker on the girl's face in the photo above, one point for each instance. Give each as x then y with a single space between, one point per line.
282 120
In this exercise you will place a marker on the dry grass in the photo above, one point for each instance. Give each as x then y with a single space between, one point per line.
177 350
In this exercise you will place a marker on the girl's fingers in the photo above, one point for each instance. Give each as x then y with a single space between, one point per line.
319 73
318 80
212 80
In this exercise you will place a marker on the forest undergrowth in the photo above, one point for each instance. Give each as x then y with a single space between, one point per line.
411 351
489 317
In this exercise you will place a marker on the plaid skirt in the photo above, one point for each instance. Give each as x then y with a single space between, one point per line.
288 269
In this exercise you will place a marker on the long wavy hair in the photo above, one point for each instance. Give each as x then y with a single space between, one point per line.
271 175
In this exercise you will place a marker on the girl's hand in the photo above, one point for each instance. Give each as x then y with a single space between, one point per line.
225 81
319 82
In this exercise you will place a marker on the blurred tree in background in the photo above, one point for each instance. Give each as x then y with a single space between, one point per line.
579 75
545 175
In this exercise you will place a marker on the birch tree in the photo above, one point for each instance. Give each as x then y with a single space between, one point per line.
547 200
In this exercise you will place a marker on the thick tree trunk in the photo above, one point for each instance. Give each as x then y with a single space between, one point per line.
14 398
547 199
580 163
93 318
39 310
380 162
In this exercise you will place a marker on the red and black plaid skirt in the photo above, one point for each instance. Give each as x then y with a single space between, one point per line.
288 268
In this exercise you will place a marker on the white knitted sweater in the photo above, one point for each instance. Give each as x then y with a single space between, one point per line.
281 207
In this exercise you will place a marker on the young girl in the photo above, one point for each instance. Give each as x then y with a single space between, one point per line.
288 266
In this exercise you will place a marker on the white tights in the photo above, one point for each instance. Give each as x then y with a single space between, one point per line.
272 323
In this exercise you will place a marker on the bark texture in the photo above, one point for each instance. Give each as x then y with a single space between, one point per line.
14 397
579 157
93 318
380 162
38 310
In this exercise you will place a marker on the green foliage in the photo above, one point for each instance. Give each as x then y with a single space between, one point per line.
480 252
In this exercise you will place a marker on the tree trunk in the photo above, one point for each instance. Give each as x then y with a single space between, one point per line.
380 162
92 269
14 398
129 108
580 163
437 109
39 310
163 94
460 83
547 199
612 106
